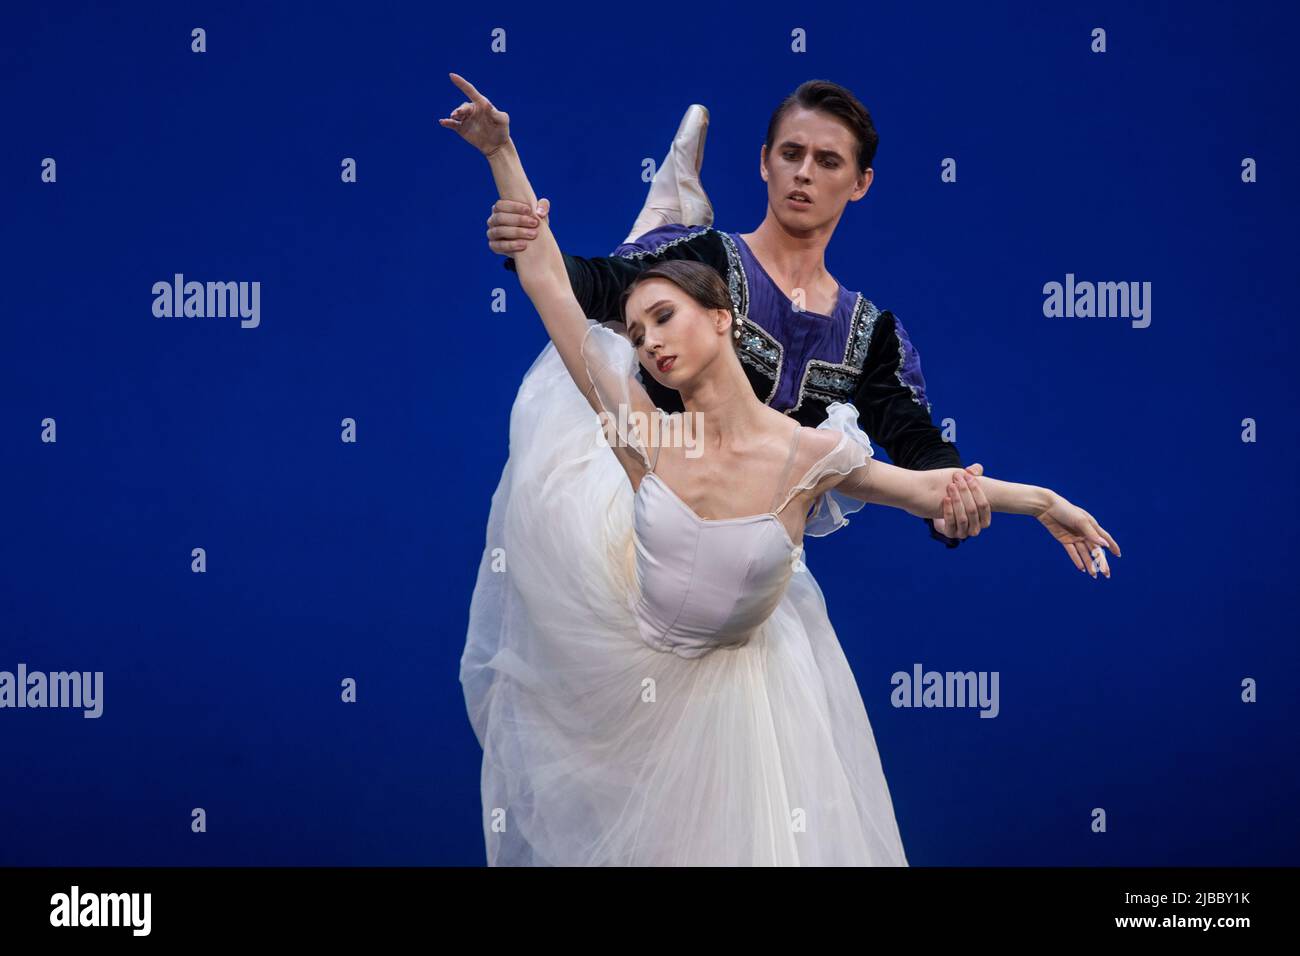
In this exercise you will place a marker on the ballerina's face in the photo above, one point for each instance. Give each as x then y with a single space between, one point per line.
811 172
674 336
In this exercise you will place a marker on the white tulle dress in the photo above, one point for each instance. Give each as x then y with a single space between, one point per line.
650 687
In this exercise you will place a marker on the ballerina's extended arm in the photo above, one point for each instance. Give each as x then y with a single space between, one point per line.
540 267
924 493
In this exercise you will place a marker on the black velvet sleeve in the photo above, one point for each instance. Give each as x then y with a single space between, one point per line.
897 418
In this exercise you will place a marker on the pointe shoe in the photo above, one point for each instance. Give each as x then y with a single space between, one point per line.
695 205
676 193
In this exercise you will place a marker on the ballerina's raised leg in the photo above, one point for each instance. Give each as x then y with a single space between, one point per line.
676 193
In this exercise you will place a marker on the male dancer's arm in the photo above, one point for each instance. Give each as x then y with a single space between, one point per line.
893 410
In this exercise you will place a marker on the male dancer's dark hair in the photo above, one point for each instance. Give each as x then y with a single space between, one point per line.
837 101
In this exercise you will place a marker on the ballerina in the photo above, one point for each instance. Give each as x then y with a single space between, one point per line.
649 667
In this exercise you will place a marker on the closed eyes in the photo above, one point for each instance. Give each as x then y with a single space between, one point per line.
661 319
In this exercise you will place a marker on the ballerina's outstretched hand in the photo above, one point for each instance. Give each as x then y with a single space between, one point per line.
1078 531
478 122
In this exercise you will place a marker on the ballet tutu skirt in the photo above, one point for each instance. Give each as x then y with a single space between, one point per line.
761 754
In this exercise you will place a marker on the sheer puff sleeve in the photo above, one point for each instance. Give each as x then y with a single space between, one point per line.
831 509
628 418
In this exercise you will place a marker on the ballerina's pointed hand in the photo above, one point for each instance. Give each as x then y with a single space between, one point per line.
478 122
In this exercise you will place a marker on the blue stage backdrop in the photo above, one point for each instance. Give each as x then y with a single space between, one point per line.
1164 697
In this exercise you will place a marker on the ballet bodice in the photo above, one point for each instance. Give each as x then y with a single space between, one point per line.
708 583
705 584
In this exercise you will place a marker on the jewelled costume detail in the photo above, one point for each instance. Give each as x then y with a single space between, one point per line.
654 688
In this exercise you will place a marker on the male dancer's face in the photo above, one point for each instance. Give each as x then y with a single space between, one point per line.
815 154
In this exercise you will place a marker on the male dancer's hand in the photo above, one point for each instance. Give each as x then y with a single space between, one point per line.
513 224
478 122
968 514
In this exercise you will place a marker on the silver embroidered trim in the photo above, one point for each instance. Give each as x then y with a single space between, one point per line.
642 253
837 381
759 349
902 356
